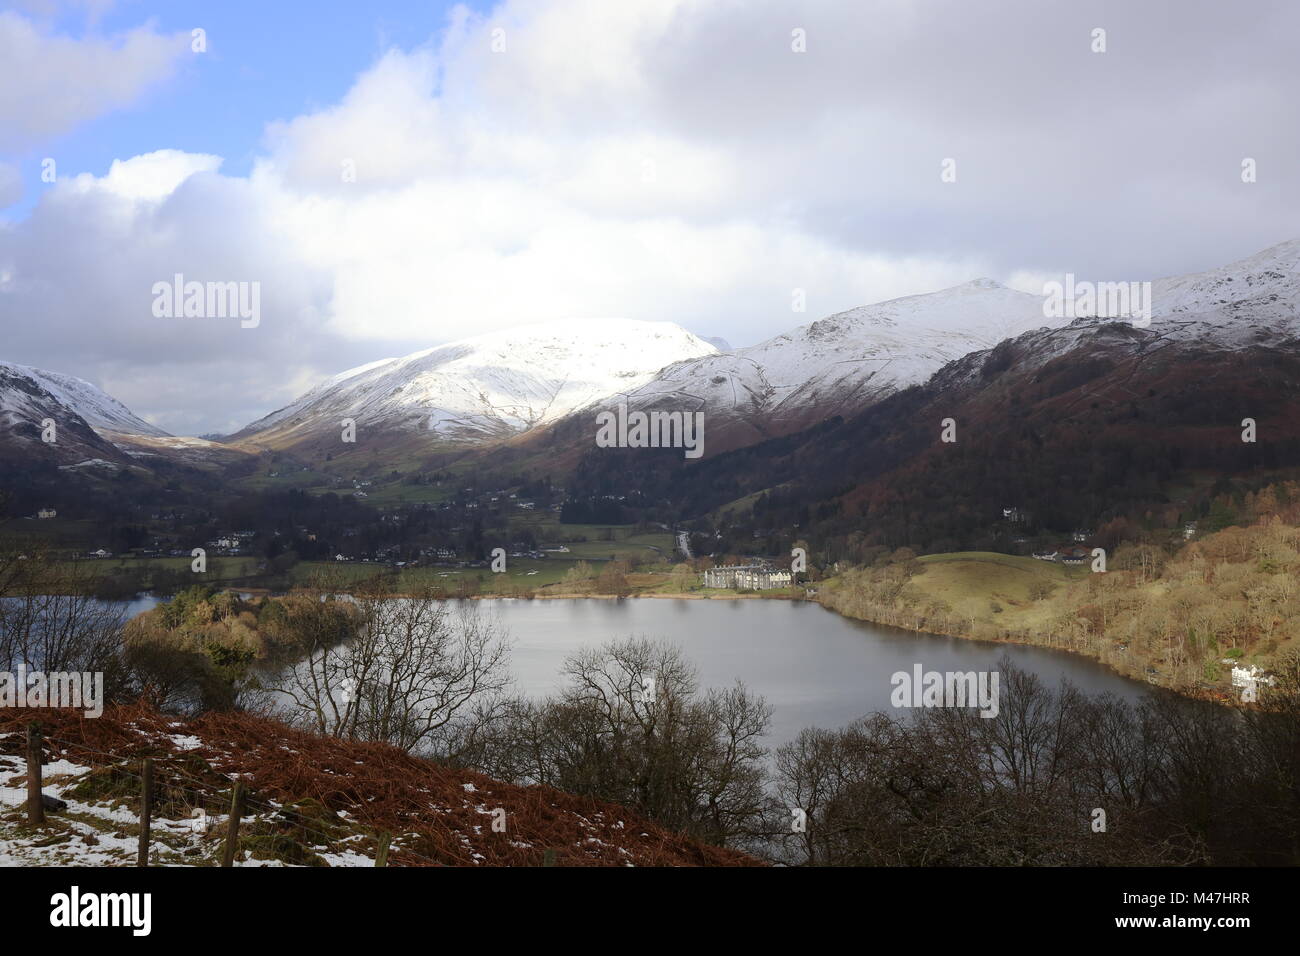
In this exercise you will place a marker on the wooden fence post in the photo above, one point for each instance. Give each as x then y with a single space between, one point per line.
232 825
381 854
35 798
146 811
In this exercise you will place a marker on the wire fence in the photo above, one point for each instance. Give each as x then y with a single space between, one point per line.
166 775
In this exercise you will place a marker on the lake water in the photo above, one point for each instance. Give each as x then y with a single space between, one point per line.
815 667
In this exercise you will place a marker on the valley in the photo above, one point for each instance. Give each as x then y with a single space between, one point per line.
1083 433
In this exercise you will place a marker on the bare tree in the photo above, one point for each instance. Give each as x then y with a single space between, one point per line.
49 621
416 673
633 726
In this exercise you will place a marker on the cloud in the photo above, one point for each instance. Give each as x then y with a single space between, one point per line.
672 160
50 83
11 185
153 176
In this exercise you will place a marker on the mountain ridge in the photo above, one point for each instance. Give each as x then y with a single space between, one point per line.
500 388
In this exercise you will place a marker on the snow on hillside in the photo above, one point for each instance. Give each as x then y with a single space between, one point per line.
492 385
1254 301
497 385
845 361
310 800
25 393
1265 285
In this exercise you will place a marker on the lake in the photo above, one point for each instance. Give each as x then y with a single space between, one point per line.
815 667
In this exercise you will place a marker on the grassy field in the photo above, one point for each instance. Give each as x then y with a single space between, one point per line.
603 542
219 568
634 547
57 533
968 581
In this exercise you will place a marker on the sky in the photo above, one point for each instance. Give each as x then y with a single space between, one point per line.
395 175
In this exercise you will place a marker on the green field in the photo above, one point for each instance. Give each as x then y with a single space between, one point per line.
967 581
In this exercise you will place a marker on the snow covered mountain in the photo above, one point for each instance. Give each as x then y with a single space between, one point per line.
25 391
1265 286
86 419
487 387
851 360
95 433
1076 425
1253 301
842 363
490 388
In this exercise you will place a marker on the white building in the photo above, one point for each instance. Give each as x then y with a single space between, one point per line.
46 513
753 577
1245 676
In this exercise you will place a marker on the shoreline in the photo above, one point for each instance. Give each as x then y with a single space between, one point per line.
721 595
1197 693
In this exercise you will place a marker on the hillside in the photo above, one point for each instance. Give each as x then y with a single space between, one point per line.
1071 427
1171 615
479 389
312 801
96 437
839 364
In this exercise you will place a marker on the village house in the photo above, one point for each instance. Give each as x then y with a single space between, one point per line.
1245 676
46 513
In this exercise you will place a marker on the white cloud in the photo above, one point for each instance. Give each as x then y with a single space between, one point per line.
666 159
153 176
49 83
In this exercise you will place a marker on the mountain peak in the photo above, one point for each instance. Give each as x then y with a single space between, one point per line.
20 384
491 385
